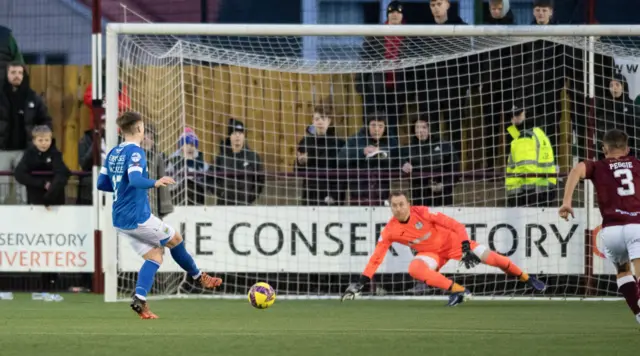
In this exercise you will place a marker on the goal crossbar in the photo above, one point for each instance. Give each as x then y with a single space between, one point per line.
178 29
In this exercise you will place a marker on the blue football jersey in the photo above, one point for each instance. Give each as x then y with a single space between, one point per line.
130 204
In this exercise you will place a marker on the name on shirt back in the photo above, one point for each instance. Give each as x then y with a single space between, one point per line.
619 165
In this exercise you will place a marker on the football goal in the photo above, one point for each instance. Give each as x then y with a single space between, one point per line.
285 141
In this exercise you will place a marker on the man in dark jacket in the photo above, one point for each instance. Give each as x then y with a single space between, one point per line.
618 111
240 178
85 160
442 87
387 90
434 159
160 198
318 155
500 68
20 110
9 51
43 156
371 154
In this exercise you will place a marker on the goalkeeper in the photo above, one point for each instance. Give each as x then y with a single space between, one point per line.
436 238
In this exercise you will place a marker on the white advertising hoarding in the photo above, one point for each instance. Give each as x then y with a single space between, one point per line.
34 239
341 239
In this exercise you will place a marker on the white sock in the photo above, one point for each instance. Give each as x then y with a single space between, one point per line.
141 297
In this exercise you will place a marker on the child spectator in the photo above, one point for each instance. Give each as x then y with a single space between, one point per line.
240 179
187 167
318 154
43 156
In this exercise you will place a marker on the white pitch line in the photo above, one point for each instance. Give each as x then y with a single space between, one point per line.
322 332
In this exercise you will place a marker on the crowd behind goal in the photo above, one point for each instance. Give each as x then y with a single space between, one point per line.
412 128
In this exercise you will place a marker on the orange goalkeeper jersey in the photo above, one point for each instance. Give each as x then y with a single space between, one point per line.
424 232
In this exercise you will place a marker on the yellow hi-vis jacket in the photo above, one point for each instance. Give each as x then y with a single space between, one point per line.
531 152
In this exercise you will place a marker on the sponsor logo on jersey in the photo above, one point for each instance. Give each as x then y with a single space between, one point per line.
420 239
136 157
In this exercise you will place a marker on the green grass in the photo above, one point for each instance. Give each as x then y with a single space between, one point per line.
84 325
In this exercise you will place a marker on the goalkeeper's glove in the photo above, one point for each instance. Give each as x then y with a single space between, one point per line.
469 258
354 289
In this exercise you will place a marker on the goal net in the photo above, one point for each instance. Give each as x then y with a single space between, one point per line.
285 142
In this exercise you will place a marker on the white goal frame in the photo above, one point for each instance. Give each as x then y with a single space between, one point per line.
103 204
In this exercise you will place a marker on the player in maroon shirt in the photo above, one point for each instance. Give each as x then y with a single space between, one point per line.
617 182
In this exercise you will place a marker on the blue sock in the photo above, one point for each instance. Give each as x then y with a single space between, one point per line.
145 277
184 260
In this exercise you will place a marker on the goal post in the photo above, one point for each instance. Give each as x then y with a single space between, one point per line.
267 193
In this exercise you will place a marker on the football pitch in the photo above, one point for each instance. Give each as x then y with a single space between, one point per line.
84 325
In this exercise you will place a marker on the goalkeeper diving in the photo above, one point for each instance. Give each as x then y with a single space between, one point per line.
437 239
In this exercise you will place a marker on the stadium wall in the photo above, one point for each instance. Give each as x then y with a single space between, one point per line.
319 240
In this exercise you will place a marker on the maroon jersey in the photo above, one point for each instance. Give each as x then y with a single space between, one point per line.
617 183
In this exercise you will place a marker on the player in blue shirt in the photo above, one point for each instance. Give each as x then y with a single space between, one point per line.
125 174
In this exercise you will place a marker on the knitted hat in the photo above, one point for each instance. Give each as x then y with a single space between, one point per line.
189 137
394 6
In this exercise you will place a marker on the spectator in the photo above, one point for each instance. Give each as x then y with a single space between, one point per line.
188 168
159 199
124 102
318 154
240 179
428 155
372 153
443 86
544 72
500 68
20 110
43 156
85 159
617 110
386 90
500 13
531 153
9 52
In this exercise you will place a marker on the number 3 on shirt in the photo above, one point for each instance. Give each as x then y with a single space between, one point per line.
627 188
115 180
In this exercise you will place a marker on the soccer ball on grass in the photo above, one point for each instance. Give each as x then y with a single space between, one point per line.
261 295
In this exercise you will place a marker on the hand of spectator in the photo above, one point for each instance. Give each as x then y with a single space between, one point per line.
164 181
47 185
407 168
303 158
369 150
